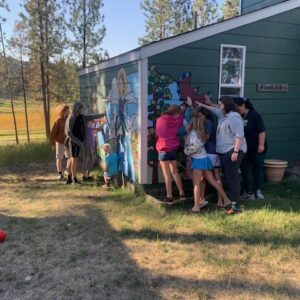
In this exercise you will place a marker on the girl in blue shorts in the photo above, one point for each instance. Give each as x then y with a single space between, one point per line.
201 164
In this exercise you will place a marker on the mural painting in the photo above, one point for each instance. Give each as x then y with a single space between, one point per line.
121 128
163 91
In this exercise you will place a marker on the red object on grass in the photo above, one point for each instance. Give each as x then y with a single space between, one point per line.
2 236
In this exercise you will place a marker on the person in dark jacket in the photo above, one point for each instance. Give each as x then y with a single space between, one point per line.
253 162
76 128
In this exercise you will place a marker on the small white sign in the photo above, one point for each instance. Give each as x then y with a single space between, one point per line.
272 87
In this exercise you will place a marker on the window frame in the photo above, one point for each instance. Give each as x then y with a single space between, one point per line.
243 61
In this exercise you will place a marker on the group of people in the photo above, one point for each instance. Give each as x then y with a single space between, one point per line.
237 141
74 133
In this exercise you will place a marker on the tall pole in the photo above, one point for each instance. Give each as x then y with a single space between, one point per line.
9 86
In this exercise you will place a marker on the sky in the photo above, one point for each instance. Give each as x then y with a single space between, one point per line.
124 22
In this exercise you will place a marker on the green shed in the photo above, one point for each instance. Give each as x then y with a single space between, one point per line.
256 55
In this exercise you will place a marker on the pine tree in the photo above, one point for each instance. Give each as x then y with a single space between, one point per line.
86 24
159 19
46 37
3 5
19 43
183 19
230 9
206 11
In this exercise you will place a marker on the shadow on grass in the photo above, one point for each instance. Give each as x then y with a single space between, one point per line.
68 257
257 238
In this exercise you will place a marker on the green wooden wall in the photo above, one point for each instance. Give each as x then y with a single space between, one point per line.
252 5
272 56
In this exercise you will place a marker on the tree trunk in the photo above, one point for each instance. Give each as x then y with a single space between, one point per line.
24 96
42 58
10 89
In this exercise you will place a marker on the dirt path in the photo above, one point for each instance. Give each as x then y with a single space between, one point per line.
60 246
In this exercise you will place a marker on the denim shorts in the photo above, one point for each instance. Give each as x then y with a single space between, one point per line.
169 155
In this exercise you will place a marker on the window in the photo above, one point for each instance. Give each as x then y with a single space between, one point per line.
232 70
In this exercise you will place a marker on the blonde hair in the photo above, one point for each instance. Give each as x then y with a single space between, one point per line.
60 109
197 125
122 88
173 110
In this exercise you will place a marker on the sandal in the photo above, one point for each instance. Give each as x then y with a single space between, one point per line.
190 210
203 204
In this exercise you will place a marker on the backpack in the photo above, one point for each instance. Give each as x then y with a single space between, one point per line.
193 145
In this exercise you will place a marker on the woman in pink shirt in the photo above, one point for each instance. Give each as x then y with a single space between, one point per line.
167 144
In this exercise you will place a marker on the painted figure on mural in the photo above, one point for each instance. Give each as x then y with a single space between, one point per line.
122 120
121 123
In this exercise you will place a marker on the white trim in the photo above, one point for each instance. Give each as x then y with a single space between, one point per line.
193 36
142 120
124 58
237 86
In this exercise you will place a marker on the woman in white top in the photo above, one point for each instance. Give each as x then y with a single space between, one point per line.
201 164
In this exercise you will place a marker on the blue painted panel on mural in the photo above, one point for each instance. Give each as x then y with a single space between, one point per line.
121 129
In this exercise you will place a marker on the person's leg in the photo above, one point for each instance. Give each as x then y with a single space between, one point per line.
218 178
175 174
165 166
212 181
258 167
58 165
231 172
74 167
202 189
246 168
197 174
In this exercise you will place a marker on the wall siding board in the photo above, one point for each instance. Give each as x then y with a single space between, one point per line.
272 56
252 5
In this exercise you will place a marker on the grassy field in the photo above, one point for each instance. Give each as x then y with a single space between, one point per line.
35 121
83 243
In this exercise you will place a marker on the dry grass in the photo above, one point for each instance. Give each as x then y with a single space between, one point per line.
80 243
35 120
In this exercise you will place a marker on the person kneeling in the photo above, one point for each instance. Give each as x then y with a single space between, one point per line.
110 167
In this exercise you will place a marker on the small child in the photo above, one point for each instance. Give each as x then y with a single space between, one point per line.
110 167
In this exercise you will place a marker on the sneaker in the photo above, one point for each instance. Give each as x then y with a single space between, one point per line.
232 211
105 187
165 200
88 178
76 182
248 196
60 177
259 195
69 180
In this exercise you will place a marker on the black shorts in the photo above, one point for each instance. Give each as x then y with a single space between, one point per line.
75 149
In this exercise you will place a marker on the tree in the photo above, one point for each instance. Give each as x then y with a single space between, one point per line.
9 86
86 25
230 9
46 37
183 18
159 18
18 42
206 11
4 5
